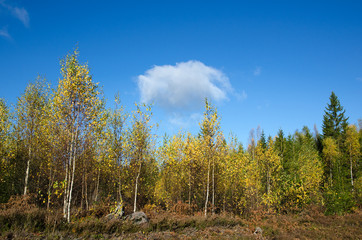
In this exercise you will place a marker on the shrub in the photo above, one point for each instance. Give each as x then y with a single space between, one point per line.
338 202
20 212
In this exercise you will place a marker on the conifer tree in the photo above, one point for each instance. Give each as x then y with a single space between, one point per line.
334 121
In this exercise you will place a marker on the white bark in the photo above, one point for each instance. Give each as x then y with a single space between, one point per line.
136 189
72 179
27 171
207 188
351 169
213 186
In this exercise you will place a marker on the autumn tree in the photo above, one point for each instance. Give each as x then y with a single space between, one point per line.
353 148
30 111
331 153
6 152
173 172
210 132
269 165
139 148
117 137
309 167
76 106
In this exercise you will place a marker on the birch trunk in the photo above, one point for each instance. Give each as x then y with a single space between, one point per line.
120 185
67 178
190 188
351 170
97 187
72 176
213 186
49 187
136 189
27 171
207 187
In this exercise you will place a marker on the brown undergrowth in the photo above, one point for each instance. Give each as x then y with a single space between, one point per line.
20 218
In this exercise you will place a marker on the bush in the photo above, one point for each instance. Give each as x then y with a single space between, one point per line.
338 202
20 212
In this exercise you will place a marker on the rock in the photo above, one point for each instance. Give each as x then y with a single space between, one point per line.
138 218
258 230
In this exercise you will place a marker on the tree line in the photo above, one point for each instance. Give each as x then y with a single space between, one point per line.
64 146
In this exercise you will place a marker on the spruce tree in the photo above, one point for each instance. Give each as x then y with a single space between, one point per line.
334 121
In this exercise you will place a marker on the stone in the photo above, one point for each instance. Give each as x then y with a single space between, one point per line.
138 218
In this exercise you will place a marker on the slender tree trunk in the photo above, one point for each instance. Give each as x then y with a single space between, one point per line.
71 188
213 186
190 188
351 168
97 186
136 189
49 187
84 187
65 191
119 184
72 177
86 194
207 187
83 180
67 178
352 175
268 182
27 171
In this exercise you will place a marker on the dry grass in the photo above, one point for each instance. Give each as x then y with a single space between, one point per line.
21 219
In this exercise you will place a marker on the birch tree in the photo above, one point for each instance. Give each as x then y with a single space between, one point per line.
210 129
139 145
29 111
5 150
76 108
117 126
330 153
353 148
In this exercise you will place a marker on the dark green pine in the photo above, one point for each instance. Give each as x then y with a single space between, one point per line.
334 121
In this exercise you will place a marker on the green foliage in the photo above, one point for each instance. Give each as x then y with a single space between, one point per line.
338 201
334 121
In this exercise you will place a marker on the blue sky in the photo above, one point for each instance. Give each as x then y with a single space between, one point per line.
267 63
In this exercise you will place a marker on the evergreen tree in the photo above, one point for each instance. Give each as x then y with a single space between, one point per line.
334 121
262 140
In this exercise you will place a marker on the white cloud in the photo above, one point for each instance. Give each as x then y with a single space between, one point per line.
22 15
19 13
183 86
4 33
257 71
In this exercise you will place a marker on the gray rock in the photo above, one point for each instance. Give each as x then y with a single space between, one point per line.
258 230
138 218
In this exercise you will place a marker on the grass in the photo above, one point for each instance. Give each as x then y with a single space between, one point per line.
19 219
